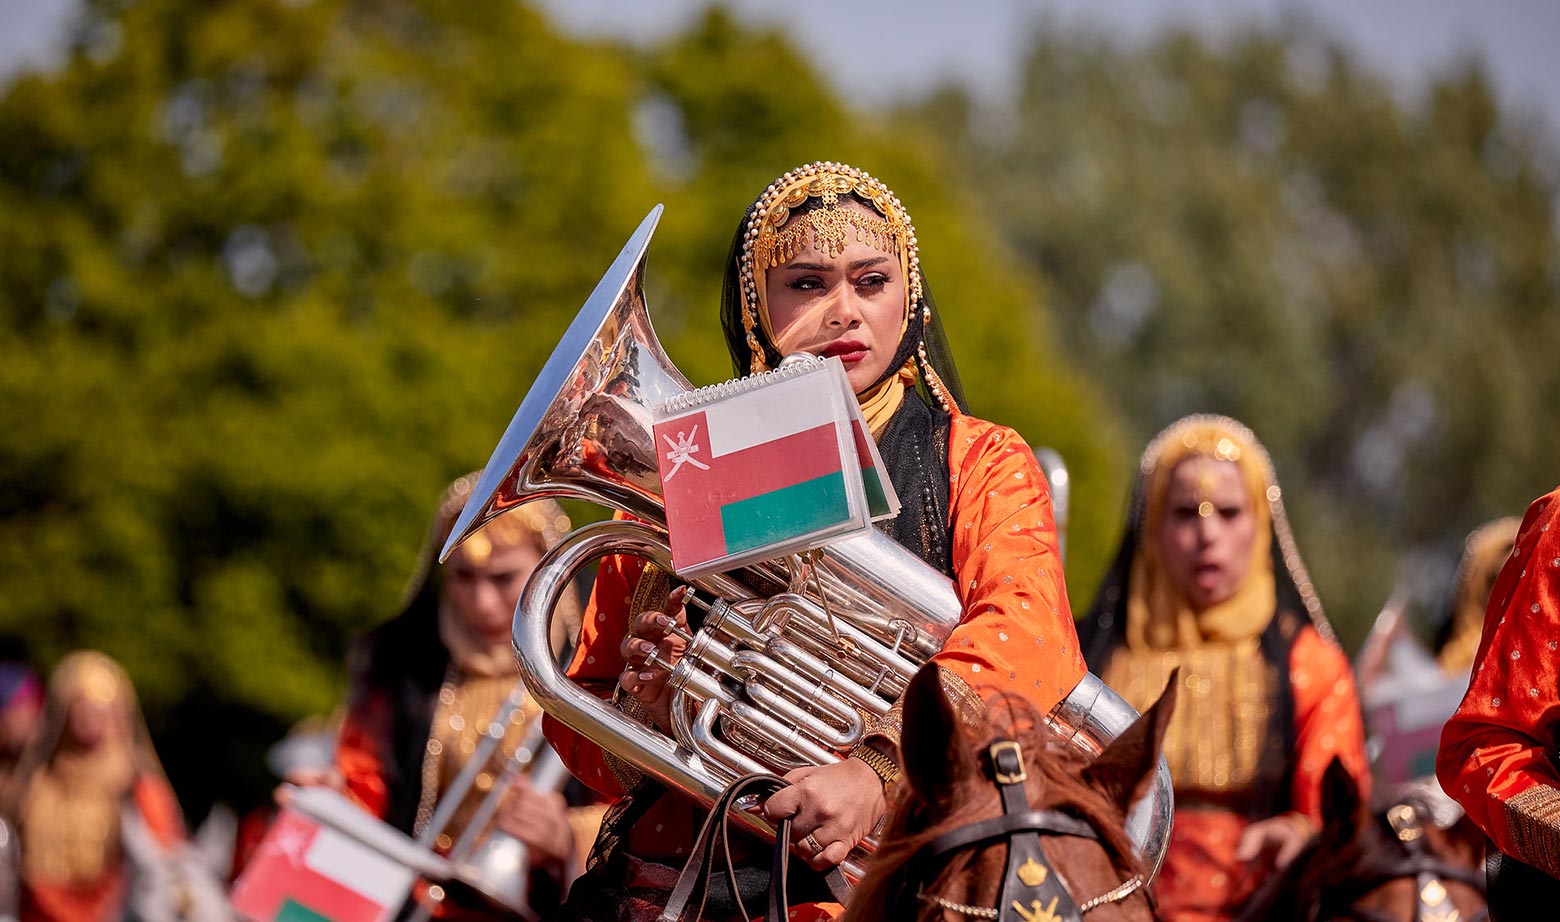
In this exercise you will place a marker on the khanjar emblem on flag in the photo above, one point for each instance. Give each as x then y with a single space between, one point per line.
764 466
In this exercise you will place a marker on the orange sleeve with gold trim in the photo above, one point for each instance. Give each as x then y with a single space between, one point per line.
1328 723
598 661
1498 751
1016 632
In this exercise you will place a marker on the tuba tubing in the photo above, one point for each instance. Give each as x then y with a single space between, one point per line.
583 432
654 752
1088 718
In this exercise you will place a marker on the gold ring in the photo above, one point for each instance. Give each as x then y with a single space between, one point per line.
812 843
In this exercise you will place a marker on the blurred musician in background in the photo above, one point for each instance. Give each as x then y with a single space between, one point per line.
426 684
1485 551
21 705
1208 580
826 262
1499 750
93 808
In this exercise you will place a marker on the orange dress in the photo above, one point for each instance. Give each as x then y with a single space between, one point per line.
1498 751
1201 881
103 900
1016 633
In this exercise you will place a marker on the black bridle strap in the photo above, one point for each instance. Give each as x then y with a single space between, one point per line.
1417 863
1411 866
1052 822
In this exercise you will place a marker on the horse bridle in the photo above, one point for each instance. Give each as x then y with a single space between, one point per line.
1031 889
1432 902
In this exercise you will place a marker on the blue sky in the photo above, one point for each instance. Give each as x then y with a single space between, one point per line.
880 50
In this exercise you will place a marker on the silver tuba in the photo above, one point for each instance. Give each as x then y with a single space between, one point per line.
772 679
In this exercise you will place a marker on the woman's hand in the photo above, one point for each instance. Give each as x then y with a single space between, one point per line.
326 777
540 819
1281 836
832 808
650 632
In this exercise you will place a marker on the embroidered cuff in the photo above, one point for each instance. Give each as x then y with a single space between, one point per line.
1533 821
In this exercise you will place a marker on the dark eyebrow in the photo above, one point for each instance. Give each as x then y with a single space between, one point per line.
820 267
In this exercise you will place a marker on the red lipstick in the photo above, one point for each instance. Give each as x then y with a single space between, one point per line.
849 350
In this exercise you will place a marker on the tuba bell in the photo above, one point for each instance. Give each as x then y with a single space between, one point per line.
770 681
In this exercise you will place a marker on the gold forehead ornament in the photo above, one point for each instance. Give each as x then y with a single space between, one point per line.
767 242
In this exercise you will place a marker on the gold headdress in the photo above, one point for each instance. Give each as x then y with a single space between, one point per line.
542 522
1225 439
767 242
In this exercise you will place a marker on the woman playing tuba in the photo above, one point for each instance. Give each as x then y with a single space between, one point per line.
826 262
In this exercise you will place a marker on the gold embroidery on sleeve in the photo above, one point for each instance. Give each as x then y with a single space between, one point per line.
1533 819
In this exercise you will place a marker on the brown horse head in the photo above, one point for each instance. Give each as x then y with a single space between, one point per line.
1392 865
949 785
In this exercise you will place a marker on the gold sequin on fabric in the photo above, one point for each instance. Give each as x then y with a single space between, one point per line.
1217 736
466 709
1533 820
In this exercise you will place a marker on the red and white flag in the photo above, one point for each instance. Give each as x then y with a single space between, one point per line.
756 471
305 871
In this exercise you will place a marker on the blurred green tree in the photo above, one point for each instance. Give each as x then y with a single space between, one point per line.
272 273
1263 230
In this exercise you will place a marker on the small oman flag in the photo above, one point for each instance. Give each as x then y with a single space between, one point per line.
764 471
307 872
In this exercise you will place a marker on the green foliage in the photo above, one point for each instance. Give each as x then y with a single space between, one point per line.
272 273
1264 231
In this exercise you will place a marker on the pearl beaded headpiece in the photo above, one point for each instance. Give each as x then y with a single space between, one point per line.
767 241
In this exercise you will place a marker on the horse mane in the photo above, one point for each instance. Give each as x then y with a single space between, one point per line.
1055 781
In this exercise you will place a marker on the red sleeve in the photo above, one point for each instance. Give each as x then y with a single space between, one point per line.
598 661
359 753
1327 720
1498 749
159 809
1016 632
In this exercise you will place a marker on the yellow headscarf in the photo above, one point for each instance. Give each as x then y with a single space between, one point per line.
1484 552
1159 616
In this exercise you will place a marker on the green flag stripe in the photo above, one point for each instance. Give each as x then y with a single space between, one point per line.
877 502
294 911
784 513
